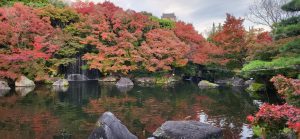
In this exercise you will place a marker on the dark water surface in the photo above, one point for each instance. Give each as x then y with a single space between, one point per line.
45 112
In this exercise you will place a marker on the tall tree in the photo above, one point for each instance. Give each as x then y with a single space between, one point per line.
232 38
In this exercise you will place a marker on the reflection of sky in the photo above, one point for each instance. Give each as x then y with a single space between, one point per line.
246 129
246 132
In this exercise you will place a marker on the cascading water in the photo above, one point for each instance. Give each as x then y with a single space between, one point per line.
77 71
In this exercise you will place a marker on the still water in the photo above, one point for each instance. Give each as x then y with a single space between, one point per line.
45 112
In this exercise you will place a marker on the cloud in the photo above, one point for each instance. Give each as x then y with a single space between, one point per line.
201 13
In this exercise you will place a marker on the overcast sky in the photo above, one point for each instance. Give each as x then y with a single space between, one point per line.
201 13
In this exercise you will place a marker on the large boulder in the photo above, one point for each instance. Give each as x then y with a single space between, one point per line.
109 127
187 130
61 82
4 85
109 79
207 84
123 82
23 81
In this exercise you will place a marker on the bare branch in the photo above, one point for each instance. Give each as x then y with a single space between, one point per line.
268 12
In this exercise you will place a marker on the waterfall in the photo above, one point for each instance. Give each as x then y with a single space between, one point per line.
78 71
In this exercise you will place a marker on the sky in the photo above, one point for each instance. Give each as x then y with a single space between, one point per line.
201 13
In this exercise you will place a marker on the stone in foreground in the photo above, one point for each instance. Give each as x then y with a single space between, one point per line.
24 82
187 130
124 82
109 127
61 82
207 84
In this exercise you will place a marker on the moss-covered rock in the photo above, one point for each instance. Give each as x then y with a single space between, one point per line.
256 87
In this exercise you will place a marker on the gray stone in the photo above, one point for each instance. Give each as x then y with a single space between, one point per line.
207 84
124 82
4 85
109 127
61 82
24 82
109 79
234 81
187 130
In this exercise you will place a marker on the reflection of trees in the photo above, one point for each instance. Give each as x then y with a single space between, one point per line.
40 115
143 110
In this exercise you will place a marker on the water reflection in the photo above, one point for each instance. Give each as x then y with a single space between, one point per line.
23 91
75 109
3 92
59 89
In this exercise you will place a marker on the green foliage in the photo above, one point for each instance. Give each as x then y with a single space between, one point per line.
189 70
60 17
33 3
282 62
256 87
291 47
292 6
164 23
287 31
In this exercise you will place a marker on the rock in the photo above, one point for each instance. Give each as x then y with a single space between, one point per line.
187 130
256 87
109 79
4 85
234 81
124 82
61 82
207 84
24 82
77 77
109 127
145 80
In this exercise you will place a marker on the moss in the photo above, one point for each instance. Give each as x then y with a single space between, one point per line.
256 87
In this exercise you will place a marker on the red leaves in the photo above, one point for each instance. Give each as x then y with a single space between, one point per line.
264 38
286 86
162 50
272 114
26 37
187 33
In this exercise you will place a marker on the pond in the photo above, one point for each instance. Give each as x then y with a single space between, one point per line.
45 112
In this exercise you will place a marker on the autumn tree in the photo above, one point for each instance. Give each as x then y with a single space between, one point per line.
232 39
24 45
116 34
201 51
163 50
